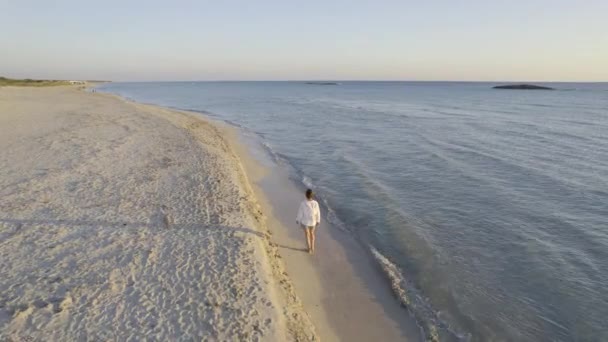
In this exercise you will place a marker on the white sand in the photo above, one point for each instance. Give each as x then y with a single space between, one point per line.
120 221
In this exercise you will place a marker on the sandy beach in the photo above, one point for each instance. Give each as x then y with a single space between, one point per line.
124 221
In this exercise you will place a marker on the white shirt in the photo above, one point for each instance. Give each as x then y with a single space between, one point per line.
308 213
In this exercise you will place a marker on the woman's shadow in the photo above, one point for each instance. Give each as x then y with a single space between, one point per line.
292 248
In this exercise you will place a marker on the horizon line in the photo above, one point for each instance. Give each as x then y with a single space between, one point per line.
308 80
339 80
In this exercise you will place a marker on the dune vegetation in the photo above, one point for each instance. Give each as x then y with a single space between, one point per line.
30 83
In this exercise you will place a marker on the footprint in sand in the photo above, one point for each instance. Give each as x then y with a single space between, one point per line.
162 218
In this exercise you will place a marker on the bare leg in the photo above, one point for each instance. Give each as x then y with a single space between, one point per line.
307 237
309 240
312 240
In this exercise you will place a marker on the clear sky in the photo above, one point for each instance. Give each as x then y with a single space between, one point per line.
520 40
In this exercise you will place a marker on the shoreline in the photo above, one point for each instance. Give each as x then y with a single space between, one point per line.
337 294
345 293
368 309
348 298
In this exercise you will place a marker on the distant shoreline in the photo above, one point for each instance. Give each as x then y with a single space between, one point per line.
28 82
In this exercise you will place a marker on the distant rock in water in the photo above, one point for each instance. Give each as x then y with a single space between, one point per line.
323 83
523 87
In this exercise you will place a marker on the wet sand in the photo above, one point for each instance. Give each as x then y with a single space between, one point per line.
346 295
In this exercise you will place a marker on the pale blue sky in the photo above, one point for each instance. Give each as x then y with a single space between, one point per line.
533 40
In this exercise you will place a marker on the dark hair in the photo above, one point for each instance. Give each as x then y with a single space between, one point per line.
309 194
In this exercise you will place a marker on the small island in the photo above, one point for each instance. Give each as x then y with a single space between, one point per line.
323 83
522 87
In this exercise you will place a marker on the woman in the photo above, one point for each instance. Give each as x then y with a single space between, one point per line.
309 217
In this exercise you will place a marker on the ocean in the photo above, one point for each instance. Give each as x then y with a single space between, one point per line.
488 208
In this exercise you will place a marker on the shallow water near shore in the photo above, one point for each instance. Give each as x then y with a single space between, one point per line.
486 208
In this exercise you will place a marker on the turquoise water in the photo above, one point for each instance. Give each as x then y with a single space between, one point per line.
491 204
